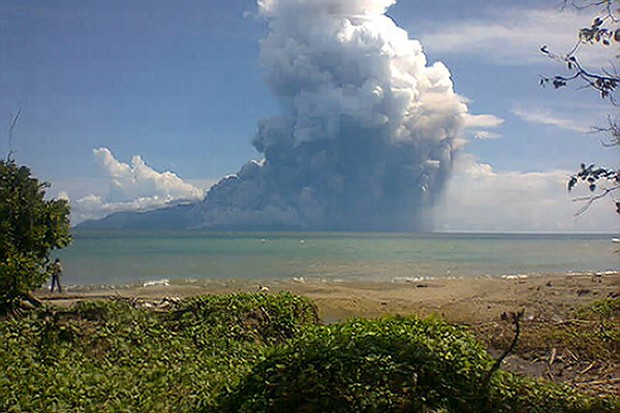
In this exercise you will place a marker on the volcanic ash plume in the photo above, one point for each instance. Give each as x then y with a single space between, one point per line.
368 130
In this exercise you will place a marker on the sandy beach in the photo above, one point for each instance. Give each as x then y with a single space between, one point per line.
458 300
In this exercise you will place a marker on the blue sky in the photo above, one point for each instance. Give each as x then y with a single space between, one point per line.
179 84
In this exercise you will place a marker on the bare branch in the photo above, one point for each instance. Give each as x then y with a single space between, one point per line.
591 199
613 130
604 31
516 318
14 121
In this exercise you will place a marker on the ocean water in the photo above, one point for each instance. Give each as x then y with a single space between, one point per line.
120 257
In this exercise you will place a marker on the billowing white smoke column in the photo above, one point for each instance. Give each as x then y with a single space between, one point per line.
367 135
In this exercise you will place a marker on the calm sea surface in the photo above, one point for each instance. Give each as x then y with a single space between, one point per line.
97 257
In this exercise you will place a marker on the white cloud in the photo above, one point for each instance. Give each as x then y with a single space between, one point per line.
481 199
486 135
479 122
546 117
482 121
138 180
132 187
514 36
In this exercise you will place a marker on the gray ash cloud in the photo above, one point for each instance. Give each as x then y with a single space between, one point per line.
367 133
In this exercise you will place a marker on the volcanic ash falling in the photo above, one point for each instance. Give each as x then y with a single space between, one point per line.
367 132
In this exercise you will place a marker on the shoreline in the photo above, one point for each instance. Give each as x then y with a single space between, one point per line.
463 300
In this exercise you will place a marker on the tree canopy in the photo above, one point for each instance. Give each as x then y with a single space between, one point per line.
30 228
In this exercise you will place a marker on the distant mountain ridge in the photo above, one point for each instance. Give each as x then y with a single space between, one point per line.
169 218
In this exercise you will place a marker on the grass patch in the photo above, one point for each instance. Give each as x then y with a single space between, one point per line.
589 333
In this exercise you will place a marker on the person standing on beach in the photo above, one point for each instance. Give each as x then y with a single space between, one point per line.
56 274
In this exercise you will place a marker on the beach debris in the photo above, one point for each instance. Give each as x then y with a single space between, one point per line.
554 353
610 272
300 280
590 367
262 288
408 280
167 302
515 276
583 291
157 283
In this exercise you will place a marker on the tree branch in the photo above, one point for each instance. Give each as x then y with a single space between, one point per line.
14 120
591 199
516 321
601 31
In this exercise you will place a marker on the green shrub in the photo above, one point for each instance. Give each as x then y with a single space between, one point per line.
514 394
608 308
30 227
393 364
112 357
262 318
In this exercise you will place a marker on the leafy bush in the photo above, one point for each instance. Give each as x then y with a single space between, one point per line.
112 357
262 318
393 364
30 227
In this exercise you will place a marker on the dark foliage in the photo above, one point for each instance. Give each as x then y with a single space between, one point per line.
603 181
30 227
604 30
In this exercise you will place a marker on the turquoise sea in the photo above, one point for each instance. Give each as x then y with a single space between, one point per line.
121 257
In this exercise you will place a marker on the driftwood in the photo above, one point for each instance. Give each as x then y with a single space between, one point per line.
31 300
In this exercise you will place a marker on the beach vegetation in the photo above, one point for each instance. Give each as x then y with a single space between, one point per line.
254 353
31 226
389 365
110 356
586 334
395 364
